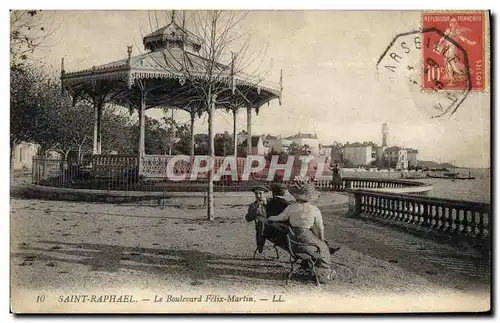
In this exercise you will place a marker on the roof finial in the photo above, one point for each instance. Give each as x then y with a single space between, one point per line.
129 52
173 16
62 66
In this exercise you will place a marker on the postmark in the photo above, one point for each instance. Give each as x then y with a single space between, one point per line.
432 66
444 61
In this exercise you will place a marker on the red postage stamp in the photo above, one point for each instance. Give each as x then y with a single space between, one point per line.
453 53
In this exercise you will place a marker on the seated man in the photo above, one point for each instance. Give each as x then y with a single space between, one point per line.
260 209
278 203
276 231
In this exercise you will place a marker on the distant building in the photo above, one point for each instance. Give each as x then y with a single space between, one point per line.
369 153
336 155
201 141
258 147
379 155
277 143
326 152
23 154
358 154
412 157
385 133
396 157
306 139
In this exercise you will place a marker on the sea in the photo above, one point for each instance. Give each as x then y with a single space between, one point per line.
477 189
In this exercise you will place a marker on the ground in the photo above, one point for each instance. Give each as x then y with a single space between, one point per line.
62 248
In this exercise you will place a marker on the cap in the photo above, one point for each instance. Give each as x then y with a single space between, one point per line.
259 189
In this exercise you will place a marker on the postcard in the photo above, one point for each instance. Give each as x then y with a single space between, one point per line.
184 161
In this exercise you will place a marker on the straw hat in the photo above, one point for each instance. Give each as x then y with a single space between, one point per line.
303 190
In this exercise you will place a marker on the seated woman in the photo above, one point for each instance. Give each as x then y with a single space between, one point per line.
306 223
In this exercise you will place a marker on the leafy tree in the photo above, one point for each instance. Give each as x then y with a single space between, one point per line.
242 150
34 98
73 127
183 145
282 156
223 144
296 149
118 132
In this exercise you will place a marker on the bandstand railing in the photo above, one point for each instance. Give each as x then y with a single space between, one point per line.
462 218
149 173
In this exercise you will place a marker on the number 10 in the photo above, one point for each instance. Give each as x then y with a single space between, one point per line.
433 73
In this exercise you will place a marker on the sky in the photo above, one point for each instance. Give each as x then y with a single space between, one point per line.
330 81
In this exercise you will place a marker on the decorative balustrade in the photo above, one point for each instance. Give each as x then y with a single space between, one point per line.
464 218
155 166
375 184
113 165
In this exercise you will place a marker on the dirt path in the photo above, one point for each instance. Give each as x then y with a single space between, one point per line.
66 246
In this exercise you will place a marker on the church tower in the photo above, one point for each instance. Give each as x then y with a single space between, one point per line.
385 132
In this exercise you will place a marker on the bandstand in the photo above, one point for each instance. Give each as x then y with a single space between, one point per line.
166 75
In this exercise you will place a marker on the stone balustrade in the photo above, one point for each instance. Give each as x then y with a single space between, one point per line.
376 185
462 218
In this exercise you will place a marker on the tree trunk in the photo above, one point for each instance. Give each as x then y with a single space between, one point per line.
211 155
249 131
192 132
62 163
13 145
235 135
79 154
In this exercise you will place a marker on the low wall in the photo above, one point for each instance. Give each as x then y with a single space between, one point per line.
376 185
467 220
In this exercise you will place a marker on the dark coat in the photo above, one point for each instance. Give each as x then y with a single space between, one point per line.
276 205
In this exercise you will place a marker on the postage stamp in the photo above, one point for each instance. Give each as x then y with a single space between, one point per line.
455 49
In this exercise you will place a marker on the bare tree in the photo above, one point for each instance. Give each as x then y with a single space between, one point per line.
210 59
29 32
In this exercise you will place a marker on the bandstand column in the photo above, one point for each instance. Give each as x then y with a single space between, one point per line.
142 126
96 149
249 130
193 115
235 134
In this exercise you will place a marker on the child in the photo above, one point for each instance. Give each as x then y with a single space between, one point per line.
257 212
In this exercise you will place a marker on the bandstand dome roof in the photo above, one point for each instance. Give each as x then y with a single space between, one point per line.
169 50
